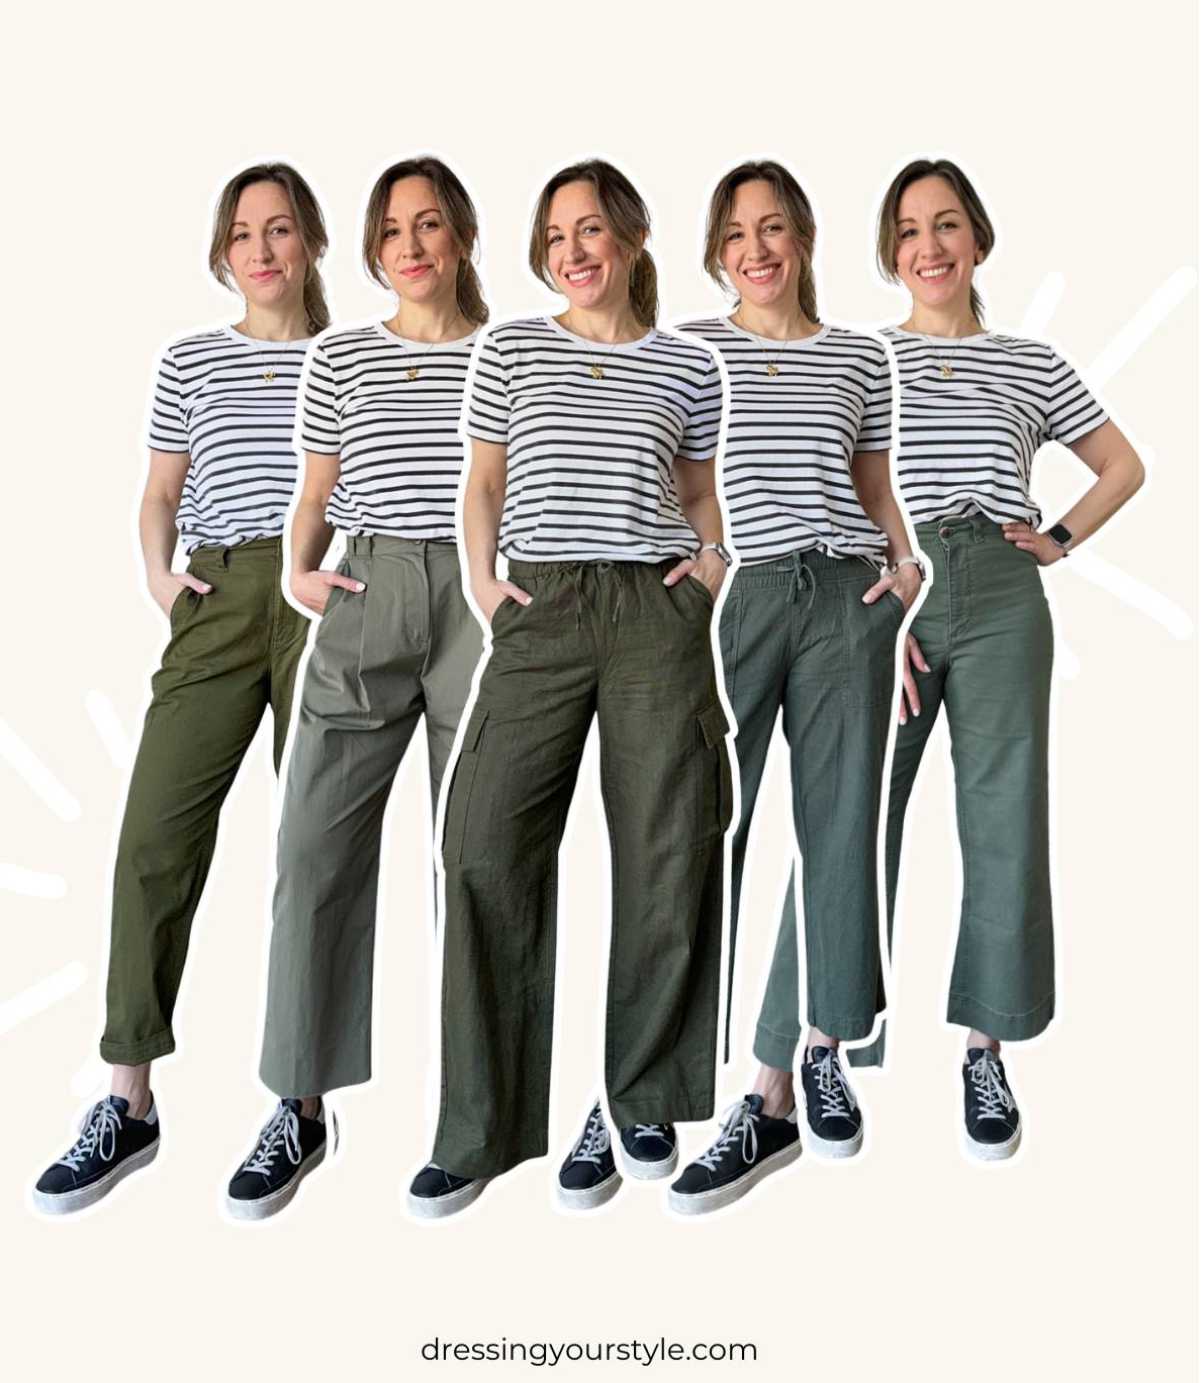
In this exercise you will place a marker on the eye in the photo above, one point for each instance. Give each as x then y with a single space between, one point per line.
733 235
429 225
948 225
389 232
554 237
774 229
280 230
906 233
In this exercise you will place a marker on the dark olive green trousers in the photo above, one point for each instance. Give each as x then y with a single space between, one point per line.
985 630
403 649
797 639
232 654
607 640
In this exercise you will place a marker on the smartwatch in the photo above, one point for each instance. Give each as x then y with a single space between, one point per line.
721 551
910 562
1060 536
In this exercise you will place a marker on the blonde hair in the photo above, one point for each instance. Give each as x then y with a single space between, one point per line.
628 219
458 209
954 176
797 213
310 225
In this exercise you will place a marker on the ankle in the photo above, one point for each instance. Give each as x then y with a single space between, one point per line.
779 1097
978 1039
310 1107
817 1038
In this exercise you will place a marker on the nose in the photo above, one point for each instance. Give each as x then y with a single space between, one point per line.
755 247
262 251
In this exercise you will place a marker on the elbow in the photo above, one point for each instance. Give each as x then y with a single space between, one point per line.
1137 476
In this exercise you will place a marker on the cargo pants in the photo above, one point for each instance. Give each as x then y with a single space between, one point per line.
404 648
232 653
985 631
605 639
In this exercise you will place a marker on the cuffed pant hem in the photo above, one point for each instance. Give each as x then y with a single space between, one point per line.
775 1049
967 1012
871 1055
135 1053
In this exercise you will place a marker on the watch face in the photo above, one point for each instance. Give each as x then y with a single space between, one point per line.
1059 534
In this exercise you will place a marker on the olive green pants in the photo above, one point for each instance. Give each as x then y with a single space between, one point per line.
404 648
610 640
797 638
232 654
985 630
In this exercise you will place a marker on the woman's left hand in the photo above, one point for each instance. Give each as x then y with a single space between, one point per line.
904 583
709 569
1040 545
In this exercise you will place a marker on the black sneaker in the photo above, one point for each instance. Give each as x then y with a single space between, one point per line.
990 1113
289 1147
751 1146
649 1150
589 1177
831 1110
435 1193
110 1146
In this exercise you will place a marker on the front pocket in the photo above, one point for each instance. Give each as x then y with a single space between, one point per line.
706 593
458 800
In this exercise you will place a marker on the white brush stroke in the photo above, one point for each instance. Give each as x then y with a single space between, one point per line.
27 764
91 1078
1170 294
103 715
1136 594
30 884
1066 664
41 996
1042 305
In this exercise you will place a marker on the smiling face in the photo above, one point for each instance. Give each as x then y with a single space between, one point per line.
936 247
586 261
760 255
418 250
265 252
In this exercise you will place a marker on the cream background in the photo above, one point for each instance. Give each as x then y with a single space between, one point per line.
1078 124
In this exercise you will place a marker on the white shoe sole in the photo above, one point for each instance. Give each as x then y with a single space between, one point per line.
592 1196
702 1202
833 1147
266 1206
993 1152
68 1202
439 1207
650 1171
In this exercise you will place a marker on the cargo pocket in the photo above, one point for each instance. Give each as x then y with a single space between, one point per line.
458 801
715 803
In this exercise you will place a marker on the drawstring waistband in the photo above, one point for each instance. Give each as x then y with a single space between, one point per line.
803 579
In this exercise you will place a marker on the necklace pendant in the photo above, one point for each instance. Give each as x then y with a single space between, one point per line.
411 372
773 370
945 370
596 372
268 375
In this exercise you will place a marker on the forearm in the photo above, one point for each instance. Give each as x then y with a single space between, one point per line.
703 514
482 507
1117 482
157 533
311 534
873 489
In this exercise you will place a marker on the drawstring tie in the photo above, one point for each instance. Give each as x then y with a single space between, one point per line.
803 580
577 580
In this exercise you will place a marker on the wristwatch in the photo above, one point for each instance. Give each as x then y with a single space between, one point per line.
722 551
1060 536
909 562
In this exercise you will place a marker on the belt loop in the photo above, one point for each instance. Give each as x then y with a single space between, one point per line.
225 551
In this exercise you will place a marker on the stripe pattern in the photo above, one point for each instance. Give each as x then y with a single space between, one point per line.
212 402
592 432
389 409
968 440
792 435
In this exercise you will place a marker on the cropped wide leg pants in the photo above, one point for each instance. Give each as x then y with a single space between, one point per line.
610 640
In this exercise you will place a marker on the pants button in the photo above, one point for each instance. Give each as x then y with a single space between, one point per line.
944 532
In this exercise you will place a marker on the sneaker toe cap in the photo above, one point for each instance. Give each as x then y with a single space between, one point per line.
55 1180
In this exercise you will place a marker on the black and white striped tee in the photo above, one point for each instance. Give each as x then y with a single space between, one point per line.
213 401
786 470
968 439
590 458
389 409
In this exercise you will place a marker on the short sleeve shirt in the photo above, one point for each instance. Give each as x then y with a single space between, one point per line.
389 409
974 411
229 402
592 433
799 412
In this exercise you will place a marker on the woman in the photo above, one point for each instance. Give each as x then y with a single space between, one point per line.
975 407
221 472
396 642
593 438
809 628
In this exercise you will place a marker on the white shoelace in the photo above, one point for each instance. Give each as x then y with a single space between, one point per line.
650 1131
738 1122
281 1130
994 1100
595 1142
98 1132
837 1097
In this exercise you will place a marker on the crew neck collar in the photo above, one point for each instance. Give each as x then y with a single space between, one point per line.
259 343
943 340
796 343
601 345
408 344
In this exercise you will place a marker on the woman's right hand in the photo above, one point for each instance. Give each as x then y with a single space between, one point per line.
913 657
492 594
312 588
167 587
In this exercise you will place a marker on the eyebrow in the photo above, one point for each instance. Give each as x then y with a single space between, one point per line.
279 216
591 216
436 210
767 216
946 211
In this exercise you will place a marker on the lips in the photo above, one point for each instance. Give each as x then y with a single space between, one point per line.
416 271
578 278
935 272
265 275
761 273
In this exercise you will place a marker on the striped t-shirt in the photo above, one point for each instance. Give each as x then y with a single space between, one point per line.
389 410
799 411
592 431
213 401
974 410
